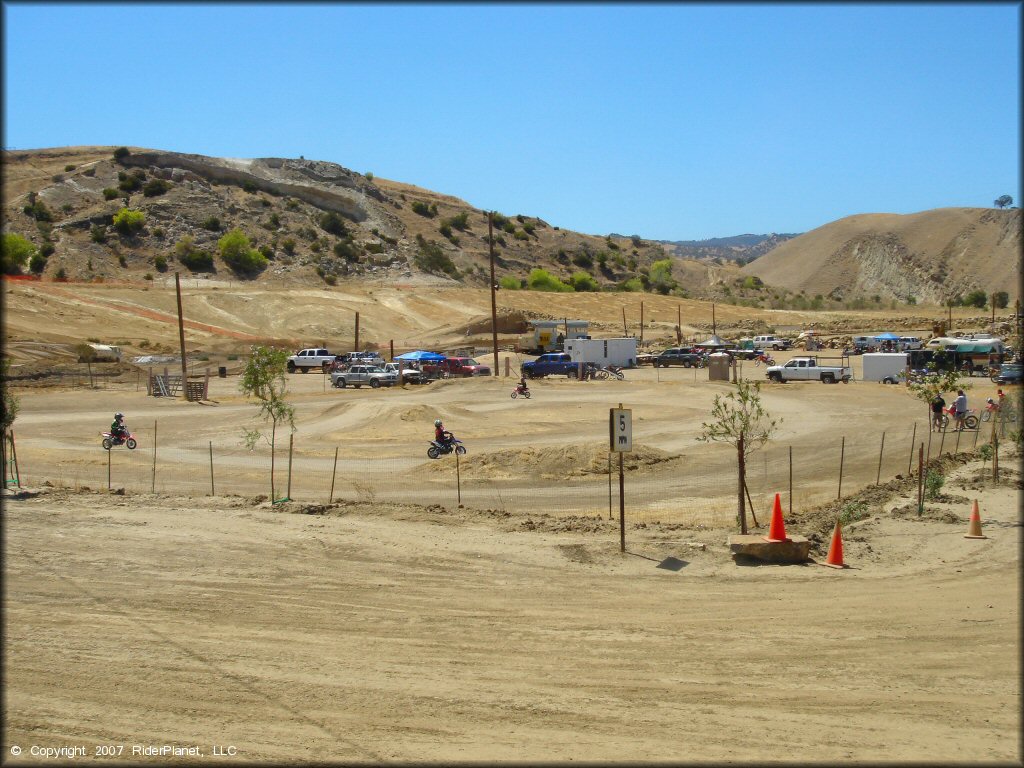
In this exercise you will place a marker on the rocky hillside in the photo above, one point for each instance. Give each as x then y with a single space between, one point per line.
313 222
926 257
741 249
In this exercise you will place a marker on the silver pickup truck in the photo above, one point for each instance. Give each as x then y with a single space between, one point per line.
357 375
809 369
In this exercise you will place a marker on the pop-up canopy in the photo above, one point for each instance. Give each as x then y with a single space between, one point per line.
420 354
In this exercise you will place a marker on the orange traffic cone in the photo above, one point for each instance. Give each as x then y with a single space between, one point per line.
835 549
974 526
776 530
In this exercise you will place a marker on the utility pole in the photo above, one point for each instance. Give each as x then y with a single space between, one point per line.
181 338
494 300
356 347
641 323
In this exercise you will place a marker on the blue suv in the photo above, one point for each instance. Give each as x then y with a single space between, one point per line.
553 363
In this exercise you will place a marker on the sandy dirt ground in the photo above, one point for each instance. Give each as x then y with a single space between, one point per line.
412 629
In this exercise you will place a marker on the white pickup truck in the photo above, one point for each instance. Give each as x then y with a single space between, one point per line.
809 369
309 359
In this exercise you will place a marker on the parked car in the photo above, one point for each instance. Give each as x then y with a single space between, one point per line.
551 364
409 374
771 342
678 356
454 367
1010 373
308 359
357 375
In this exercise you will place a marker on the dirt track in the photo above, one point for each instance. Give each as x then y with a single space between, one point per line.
304 632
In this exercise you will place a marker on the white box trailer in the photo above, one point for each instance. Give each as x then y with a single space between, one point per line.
885 367
620 352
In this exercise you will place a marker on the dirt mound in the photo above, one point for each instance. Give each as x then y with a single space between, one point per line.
553 463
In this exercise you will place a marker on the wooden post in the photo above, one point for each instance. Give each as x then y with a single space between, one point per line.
625 331
977 432
610 487
458 478
391 346
152 484
956 449
508 367
622 507
920 479
334 473
291 444
791 481
878 475
108 466
995 459
929 451
494 300
3 455
942 442
14 458
355 347
212 492
910 463
273 441
181 338
750 504
842 454
714 331
641 323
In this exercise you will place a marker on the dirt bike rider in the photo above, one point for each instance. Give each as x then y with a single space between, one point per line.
521 387
441 435
118 430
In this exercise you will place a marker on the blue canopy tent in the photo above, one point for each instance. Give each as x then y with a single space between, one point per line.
420 354
887 337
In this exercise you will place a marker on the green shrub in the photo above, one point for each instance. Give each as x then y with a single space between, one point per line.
197 260
60 274
528 227
291 204
110 193
90 171
155 187
933 482
268 252
369 175
347 249
499 221
238 254
583 281
37 210
147 276
288 245
333 223
37 263
129 222
46 249
508 226
121 153
130 182
430 211
160 262
249 186
520 235
459 221
431 258
331 279
660 277
542 280
632 285
509 283
583 259
211 223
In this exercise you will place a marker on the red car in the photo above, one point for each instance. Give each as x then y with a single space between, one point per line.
456 367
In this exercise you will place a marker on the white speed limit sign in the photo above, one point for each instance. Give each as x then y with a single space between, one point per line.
621 429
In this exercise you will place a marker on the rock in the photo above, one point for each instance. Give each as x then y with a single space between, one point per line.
751 545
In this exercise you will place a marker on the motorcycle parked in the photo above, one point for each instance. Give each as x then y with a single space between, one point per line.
438 448
949 414
109 441
521 389
608 372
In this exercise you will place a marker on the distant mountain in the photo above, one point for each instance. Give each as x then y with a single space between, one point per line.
931 256
741 249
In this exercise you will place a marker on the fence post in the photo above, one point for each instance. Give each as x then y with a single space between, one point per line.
109 451
334 472
920 479
976 433
609 486
910 462
458 479
878 475
212 493
152 485
928 452
956 449
291 443
842 455
791 481
942 442
995 459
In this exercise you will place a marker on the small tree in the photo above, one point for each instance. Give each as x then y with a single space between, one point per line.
10 407
16 253
932 384
1003 201
739 419
240 255
129 222
265 379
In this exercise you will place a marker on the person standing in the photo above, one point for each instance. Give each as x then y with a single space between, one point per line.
938 405
960 409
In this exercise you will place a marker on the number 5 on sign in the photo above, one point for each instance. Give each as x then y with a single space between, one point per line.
621 429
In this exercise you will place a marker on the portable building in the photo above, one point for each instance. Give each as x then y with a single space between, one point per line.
884 366
550 335
620 352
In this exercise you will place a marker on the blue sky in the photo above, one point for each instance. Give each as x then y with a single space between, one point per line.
671 121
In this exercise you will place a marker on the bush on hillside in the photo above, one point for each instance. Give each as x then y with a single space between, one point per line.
432 258
542 280
129 222
239 255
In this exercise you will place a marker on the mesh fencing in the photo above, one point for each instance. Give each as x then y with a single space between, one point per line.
697 488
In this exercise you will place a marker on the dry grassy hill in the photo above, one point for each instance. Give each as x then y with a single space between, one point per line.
930 256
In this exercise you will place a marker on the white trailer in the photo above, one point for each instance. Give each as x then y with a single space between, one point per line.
620 352
885 367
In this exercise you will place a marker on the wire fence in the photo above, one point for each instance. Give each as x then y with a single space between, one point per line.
697 488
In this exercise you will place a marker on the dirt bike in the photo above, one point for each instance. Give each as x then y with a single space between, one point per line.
765 359
438 448
109 441
949 414
521 389
995 411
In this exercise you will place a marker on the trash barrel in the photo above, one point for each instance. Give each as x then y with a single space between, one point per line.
222 372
